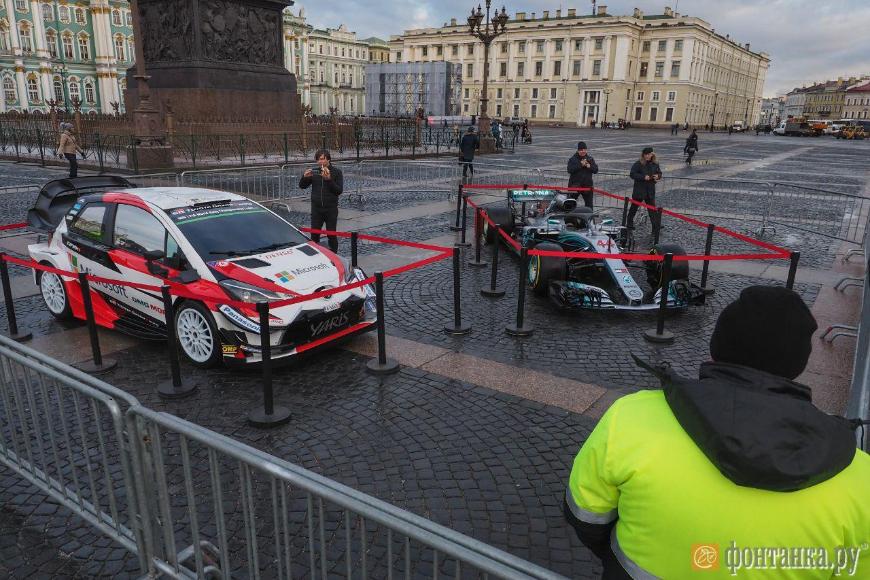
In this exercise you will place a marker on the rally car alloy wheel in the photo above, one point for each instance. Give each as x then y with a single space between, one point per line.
197 334
54 295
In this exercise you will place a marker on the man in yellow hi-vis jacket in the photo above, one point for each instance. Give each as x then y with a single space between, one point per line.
734 473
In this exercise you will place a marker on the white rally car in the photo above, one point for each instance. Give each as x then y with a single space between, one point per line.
220 247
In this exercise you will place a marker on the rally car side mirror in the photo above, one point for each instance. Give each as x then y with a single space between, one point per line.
151 256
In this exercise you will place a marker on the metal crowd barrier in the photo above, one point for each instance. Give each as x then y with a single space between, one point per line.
191 503
859 398
842 216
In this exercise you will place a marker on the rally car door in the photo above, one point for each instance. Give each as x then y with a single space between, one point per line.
87 244
135 232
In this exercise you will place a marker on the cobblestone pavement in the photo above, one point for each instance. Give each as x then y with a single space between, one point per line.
485 463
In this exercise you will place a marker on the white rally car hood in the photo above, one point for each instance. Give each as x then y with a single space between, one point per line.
301 269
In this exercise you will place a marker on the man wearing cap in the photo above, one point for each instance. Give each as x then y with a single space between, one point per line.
646 173
687 478
581 168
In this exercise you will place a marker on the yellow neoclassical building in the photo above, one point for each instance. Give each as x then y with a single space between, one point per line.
564 67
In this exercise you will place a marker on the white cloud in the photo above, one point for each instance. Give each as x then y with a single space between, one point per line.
807 40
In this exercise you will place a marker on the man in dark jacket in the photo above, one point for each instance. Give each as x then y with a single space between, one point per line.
327 183
691 146
743 445
581 168
469 144
646 173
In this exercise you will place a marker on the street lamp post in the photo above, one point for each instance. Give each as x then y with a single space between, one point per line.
481 27
606 99
61 70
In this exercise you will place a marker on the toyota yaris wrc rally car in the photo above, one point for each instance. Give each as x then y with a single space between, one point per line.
219 248
549 221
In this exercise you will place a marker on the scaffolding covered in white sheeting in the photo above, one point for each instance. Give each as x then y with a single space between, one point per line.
403 89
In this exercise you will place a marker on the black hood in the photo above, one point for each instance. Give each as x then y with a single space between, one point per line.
760 430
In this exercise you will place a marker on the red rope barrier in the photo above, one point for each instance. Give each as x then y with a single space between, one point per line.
417 264
379 239
13 226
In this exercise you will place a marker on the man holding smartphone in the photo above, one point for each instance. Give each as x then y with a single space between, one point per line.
327 183
581 168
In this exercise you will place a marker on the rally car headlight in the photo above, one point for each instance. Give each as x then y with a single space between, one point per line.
248 293
353 275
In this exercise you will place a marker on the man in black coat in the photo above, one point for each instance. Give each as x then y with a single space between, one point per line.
691 146
646 173
327 183
469 144
581 168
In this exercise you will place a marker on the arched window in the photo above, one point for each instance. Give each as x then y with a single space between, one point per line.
58 90
80 16
63 11
47 12
4 37
116 17
119 48
129 19
51 42
68 51
131 49
90 93
33 89
24 36
84 47
75 91
9 91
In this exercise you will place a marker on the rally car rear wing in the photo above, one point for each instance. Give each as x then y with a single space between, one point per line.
57 197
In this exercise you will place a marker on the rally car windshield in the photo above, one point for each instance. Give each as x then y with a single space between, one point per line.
233 228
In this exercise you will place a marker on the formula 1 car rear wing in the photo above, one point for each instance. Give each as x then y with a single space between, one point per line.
58 196
531 195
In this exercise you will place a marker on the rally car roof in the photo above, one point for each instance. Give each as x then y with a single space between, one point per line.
173 197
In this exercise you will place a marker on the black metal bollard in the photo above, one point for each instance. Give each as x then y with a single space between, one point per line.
381 365
660 335
174 388
521 328
10 304
354 249
98 364
792 270
493 291
268 415
625 203
706 270
462 243
478 234
457 227
458 329
657 226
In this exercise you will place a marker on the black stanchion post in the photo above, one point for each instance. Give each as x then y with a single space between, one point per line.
657 226
708 248
381 365
493 291
462 243
458 329
10 304
174 388
354 249
792 270
98 364
478 234
625 203
521 328
456 227
268 415
660 335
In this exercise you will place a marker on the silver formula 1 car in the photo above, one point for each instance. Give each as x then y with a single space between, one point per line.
551 221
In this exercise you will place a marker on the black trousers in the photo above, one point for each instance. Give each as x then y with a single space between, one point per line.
650 199
73 164
587 197
325 217
466 167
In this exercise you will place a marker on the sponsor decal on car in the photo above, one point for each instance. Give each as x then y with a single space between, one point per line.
285 276
330 324
309 269
207 211
229 349
278 254
239 319
627 279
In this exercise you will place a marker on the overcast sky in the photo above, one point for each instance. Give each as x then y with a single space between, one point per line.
807 40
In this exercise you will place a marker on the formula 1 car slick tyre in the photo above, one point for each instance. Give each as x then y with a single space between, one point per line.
197 335
502 217
546 269
679 270
54 295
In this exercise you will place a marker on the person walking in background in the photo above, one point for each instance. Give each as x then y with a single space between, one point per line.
68 147
691 146
646 173
327 183
742 444
581 168
467 147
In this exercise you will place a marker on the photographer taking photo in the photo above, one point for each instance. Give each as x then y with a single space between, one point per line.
327 183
